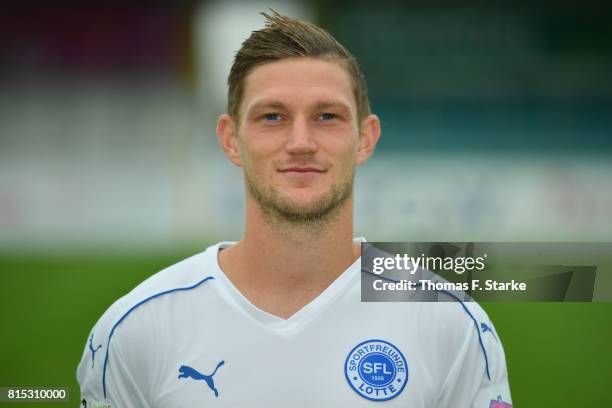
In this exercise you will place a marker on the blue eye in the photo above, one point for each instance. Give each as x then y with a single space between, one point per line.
327 116
272 116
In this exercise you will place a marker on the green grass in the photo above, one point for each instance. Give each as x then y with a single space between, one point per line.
557 353
49 305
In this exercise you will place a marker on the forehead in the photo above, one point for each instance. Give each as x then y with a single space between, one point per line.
297 82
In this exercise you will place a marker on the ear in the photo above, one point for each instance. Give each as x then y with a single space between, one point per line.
227 133
369 135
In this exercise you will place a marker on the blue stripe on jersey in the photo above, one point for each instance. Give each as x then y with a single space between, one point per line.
484 351
130 311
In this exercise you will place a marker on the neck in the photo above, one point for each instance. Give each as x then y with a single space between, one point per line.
281 267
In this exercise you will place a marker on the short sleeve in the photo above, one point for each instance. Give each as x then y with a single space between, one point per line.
108 373
106 376
119 364
478 376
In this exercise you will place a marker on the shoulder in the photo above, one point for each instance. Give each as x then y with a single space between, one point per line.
189 274
461 311
185 275
467 332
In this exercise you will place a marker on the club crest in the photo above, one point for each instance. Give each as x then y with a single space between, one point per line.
376 370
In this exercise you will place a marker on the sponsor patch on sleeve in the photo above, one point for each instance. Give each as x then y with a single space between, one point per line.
89 403
499 403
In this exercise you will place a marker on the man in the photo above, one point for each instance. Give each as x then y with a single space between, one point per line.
275 320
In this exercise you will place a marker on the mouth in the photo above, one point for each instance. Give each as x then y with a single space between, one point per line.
302 170
301 174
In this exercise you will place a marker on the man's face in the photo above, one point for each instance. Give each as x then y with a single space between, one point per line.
298 138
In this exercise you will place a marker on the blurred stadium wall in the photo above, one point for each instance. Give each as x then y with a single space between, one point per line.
496 121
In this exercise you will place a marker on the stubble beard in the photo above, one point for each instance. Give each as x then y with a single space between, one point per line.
279 211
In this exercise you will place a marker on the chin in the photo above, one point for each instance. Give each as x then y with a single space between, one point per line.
302 206
303 199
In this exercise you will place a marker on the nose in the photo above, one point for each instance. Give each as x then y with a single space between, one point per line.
301 140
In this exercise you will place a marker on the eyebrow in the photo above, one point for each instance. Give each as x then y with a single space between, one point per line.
319 105
267 105
322 105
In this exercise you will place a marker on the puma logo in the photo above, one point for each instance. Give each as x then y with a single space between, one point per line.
188 372
93 351
486 328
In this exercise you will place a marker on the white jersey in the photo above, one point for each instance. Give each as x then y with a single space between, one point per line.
186 337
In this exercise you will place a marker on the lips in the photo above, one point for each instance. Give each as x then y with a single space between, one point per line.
302 170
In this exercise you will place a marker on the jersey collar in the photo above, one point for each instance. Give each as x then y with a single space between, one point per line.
238 301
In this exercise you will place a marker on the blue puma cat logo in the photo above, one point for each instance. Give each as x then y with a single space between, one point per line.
93 351
486 328
188 372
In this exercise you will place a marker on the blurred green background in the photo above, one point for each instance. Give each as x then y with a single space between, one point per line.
497 124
